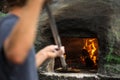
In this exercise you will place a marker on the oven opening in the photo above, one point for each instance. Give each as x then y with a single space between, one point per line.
81 54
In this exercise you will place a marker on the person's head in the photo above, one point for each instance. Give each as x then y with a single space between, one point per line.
16 3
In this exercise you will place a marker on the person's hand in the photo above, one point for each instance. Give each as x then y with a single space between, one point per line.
52 51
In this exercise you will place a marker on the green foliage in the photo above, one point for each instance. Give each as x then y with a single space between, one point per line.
113 59
2 14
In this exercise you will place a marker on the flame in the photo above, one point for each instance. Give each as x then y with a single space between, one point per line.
91 47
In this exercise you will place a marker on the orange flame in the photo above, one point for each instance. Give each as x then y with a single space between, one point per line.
91 47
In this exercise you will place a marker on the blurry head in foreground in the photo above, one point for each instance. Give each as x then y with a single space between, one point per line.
16 3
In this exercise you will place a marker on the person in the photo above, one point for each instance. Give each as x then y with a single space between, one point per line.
17 34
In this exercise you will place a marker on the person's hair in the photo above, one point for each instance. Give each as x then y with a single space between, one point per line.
13 3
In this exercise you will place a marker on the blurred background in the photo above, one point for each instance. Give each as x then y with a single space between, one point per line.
3 8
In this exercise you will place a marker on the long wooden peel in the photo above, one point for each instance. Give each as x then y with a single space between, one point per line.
55 33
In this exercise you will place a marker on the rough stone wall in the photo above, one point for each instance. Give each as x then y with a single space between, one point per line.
100 18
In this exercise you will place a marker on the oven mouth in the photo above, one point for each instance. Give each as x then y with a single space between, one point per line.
81 55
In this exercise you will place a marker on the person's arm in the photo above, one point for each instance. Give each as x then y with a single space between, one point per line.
22 37
48 52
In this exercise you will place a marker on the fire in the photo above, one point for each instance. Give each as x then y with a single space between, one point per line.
91 47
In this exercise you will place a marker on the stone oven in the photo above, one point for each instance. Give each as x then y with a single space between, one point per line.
90 32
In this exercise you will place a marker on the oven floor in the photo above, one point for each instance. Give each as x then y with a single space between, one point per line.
70 70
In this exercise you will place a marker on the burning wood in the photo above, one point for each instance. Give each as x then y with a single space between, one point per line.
91 46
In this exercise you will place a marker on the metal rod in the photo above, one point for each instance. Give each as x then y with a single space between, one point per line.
55 33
